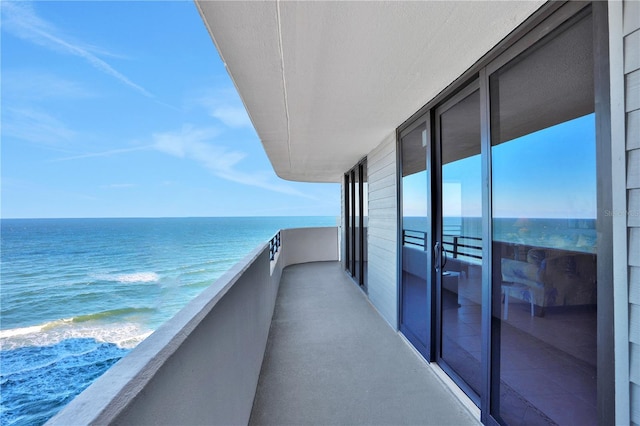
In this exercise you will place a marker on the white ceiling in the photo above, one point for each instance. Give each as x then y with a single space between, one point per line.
325 82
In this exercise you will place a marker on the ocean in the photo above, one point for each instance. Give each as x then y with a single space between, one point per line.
77 295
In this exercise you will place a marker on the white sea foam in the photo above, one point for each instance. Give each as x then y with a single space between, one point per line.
136 277
14 332
139 277
126 335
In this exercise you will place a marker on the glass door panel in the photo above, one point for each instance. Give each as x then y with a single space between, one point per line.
357 255
365 226
544 212
460 242
415 249
347 233
352 218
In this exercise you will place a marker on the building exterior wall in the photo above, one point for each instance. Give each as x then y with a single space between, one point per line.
631 31
383 233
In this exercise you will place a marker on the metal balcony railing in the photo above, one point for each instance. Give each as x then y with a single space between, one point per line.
274 246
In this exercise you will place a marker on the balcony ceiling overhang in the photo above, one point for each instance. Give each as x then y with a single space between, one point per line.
325 82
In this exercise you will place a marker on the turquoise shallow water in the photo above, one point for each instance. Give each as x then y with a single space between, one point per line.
78 294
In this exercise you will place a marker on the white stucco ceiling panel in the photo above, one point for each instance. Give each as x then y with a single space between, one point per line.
326 82
247 38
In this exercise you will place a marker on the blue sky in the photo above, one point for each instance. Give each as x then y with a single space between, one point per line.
124 109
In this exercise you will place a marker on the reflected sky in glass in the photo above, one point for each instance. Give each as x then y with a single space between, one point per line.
550 173
462 191
546 174
414 195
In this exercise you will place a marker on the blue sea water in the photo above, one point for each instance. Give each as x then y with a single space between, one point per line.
78 294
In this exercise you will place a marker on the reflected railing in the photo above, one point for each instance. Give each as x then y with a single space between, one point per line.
460 245
415 238
456 245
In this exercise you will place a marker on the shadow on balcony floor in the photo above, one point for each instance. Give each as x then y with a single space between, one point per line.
331 359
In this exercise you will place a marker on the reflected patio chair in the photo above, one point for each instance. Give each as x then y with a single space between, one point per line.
520 277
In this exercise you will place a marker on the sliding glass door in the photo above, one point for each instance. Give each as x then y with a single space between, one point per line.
459 240
415 239
364 228
357 226
543 166
356 195
348 212
499 246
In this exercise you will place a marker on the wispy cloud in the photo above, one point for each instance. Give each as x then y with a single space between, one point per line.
232 116
21 20
34 125
29 85
197 145
118 186
224 105
108 153
27 115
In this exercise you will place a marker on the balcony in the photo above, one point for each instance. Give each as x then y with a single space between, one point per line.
285 341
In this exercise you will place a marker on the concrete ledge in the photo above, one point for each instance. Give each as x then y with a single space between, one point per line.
312 245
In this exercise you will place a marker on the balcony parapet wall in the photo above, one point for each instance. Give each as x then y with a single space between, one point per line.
202 366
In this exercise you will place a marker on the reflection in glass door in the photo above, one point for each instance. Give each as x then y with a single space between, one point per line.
357 236
415 240
347 222
357 212
459 246
364 234
544 210
512 313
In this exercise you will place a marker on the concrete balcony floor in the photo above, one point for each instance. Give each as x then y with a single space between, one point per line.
332 359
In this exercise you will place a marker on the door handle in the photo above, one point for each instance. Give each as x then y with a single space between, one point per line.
444 252
440 256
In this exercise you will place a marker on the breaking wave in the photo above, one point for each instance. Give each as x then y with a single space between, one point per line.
136 277
124 335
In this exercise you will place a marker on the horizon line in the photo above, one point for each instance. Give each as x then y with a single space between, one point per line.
159 217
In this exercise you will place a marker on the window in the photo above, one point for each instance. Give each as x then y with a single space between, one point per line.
357 210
